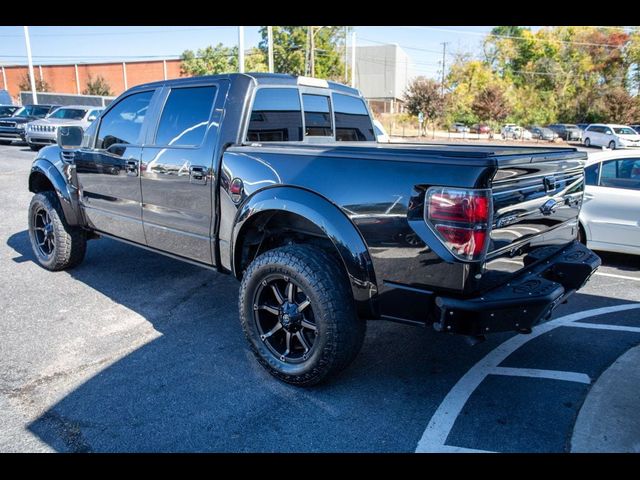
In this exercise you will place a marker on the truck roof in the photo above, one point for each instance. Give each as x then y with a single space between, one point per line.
258 77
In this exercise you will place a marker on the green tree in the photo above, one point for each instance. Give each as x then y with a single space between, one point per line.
291 44
220 59
25 85
97 86
491 104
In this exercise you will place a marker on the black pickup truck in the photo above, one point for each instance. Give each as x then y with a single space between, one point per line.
278 180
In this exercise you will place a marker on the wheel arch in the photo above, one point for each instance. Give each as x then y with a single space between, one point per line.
45 176
309 215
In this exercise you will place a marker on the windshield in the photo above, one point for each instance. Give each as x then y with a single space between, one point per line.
69 113
32 111
624 131
7 110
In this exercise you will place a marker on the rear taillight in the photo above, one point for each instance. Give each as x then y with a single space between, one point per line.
461 218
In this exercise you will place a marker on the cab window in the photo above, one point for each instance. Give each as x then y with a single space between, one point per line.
276 116
122 123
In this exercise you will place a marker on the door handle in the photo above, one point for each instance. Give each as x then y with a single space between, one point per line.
131 167
198 174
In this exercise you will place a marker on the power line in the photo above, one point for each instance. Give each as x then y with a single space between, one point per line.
513 37
130 32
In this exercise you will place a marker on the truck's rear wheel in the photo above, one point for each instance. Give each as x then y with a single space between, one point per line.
298 314
56 245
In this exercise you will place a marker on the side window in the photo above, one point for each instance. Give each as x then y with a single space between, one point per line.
122 124
591 174
276 116
317 116
352 119
621 174
607 130
185 116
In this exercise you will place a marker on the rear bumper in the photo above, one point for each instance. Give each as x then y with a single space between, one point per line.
524 302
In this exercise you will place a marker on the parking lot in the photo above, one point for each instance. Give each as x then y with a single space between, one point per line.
134 351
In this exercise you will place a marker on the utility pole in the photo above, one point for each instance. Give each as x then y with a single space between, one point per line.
312 53
241 49
444 51
307 56
270 47
34 95
353 59
346 57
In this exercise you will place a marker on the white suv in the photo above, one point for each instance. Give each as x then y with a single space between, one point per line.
610 136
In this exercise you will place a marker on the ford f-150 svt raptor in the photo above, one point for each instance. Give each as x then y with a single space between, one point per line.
278 181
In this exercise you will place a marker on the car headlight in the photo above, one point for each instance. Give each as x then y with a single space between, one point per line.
20 126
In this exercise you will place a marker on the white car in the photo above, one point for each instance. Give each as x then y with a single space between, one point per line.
45 131
381 134
516 132
610 136
610 215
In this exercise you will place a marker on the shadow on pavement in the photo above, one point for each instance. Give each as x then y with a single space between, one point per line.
197 386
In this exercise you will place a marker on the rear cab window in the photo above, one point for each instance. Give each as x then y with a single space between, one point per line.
276 116
287 114
353 123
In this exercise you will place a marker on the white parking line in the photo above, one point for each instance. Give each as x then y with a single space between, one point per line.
600 326
435 435
613 275
536 373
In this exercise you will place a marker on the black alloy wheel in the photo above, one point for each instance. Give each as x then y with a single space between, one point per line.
284 318
43 231
298 314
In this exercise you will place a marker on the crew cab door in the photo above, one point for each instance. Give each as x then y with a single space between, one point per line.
109 170
178 166
611 207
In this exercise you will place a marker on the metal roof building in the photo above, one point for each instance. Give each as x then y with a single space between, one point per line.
382 74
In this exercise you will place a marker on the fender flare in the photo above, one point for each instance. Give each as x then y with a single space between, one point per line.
67 194
329 219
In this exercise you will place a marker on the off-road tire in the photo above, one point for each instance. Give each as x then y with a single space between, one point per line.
69 243
340 333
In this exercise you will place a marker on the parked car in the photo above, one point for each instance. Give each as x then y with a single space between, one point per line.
543 133
506 127
611 207
611 136
13 127
43 132
566 131
480 128
8 110
636 127
582 126
5 98
516 132
324 232
459 128
381 133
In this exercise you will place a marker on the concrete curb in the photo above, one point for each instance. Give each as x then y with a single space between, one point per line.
608 420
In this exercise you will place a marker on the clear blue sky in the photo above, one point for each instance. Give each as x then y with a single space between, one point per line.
87 44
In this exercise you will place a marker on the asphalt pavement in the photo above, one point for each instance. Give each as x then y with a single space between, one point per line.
133 351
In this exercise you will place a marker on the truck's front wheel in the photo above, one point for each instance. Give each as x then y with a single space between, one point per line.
299 316
56 245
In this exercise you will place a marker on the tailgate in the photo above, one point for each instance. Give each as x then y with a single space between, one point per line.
536 203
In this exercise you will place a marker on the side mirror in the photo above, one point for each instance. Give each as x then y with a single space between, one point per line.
70 138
